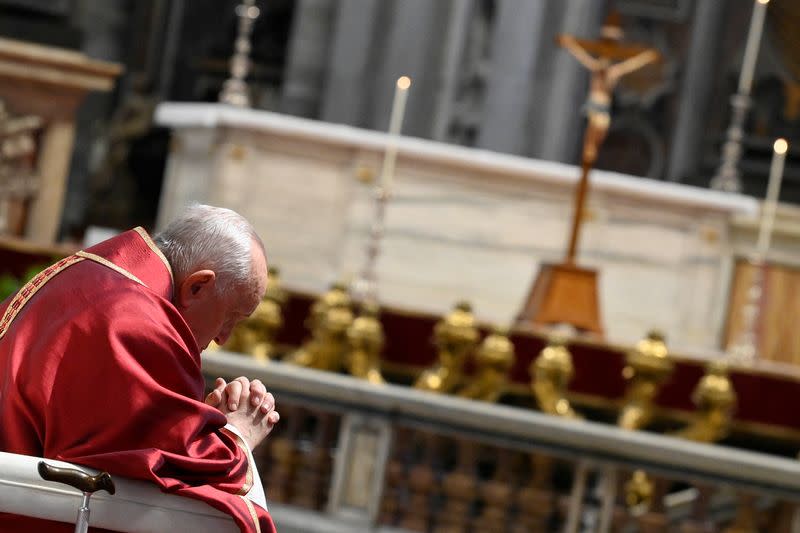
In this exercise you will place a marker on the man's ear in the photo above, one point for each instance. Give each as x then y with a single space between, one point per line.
197 286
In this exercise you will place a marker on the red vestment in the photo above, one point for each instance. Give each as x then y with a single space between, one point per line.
98 368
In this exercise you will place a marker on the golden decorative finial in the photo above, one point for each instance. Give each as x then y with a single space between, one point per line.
648 367
715 400
328 321
551 373
455 336
494 359
336 296
639 490
366 339
256 335
275 290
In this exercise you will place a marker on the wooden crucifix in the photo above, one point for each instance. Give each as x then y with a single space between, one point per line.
565 293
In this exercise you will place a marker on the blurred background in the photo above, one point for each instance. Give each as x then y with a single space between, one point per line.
616 357
491 74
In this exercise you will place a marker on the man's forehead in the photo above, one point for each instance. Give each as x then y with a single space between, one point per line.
254 298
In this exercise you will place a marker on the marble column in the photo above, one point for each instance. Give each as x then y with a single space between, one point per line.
346 86
564 119
53 161
171 43
515 43
461 11
696 89
413 48
307 58
103 25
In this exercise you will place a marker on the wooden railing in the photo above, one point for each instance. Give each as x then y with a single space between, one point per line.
358 456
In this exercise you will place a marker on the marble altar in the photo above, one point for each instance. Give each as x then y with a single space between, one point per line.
463 223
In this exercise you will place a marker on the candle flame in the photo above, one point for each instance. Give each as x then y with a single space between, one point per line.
403 82
780 145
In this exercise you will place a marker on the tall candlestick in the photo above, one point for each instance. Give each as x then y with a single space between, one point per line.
395 124
745 345
727 176
771 202
753 44
365 289
234 90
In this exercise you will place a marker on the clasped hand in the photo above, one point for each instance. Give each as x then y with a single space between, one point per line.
247 405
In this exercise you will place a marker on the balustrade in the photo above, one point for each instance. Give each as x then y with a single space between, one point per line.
446 464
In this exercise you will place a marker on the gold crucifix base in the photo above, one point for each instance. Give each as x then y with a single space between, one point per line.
563 294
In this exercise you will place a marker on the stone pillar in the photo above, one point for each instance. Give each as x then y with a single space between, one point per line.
564 117
515 43
413 48
171 44
54 157
103 25
457 29
696 89
307 58
347 87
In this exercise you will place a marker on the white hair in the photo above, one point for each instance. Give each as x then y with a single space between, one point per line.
214 238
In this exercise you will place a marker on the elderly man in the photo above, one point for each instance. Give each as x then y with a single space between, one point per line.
100 364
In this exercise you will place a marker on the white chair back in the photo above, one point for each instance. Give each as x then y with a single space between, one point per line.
136 507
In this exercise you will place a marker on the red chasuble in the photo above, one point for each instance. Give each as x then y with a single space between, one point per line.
98 368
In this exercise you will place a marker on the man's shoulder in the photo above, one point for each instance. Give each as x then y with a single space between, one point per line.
104 303
91 277
92 290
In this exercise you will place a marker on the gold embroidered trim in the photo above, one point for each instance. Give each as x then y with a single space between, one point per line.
253 513
248 478
105 262
31 288
156 250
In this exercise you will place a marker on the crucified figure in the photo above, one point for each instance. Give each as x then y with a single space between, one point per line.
608 60
566 293
605 74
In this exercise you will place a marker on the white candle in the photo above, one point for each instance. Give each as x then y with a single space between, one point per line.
395 124
753 43
771 201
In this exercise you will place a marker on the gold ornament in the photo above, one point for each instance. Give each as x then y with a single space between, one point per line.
715 400
455 337
494 359
366 339
648 367
552 372
329 320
